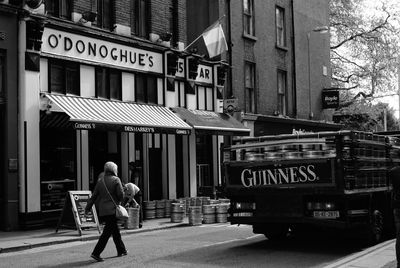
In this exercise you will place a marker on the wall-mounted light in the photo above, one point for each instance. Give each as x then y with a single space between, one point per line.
88 16
48 107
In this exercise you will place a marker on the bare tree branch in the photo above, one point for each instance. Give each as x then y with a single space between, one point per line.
362 34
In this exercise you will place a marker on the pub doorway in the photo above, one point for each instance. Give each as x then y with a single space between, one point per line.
103 147
204 165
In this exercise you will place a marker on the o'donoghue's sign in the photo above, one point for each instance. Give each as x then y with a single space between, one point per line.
311 172
99 51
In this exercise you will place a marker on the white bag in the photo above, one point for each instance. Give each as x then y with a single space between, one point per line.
121 213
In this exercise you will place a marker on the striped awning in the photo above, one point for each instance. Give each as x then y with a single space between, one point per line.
94 114
212 122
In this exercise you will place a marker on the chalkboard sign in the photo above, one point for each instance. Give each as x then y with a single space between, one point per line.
75 202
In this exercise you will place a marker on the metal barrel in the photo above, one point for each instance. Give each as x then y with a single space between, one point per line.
133 221
149 208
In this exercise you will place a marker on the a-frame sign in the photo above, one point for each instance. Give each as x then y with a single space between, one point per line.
73 214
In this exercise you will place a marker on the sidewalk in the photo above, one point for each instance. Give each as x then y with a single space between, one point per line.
21 240
379 256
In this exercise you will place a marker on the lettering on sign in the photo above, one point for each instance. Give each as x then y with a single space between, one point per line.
275 176
204 74
84 126
139 129
180 72
100 51
314 172
182 131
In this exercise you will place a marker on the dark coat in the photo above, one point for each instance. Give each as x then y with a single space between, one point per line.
102 198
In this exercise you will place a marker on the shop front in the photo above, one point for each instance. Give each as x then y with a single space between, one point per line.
92 98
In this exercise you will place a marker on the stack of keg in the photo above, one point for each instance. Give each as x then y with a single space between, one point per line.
149 209
195 215
208 214
160 208
177 212
167 208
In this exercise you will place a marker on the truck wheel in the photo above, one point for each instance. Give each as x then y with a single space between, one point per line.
375 228
276 232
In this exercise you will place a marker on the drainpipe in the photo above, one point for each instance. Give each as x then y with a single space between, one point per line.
294 98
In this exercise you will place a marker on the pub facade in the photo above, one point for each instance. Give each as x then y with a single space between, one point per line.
88 95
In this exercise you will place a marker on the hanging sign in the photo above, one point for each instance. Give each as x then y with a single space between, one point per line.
73 213
330 99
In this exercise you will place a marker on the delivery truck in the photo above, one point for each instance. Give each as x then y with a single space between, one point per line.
290 182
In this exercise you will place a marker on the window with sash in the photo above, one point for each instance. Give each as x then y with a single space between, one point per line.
139 18
64 77
104 17
282 92
249 78
58 8
248 17
108 83
280 27
146 88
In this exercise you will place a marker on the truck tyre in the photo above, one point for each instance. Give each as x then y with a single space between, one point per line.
276 232
375 228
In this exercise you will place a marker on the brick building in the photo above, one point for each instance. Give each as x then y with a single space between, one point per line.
279 54
105 80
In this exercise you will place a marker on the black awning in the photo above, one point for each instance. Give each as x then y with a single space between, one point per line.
212 122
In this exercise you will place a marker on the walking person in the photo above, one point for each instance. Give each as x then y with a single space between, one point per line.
108 187
394 176
133 198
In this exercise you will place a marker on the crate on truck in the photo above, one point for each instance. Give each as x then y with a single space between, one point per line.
329 179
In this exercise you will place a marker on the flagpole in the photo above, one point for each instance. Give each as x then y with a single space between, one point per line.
209 27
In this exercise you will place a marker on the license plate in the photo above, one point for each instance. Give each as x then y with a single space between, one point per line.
326 214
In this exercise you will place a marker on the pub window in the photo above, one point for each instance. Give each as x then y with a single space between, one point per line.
146 88
280 27
108 83
59 8
139 18
104 13
64 77
248 17
282 92
249 87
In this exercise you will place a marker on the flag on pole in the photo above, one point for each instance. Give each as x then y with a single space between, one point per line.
215 41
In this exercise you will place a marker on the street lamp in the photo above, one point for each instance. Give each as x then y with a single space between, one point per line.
322 29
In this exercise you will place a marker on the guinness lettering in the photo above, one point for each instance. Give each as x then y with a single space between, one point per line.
84 126
182 131
278 176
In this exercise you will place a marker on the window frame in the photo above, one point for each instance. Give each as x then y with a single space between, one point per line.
64 65
100 14
146 80
250 91
106 79
280 27
248 18
64 12
282 95
139 18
